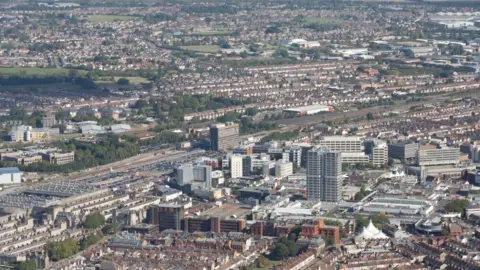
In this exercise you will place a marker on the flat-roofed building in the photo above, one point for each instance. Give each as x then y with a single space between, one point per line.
224 136
343 144
377 151
59 158
403 150
431 156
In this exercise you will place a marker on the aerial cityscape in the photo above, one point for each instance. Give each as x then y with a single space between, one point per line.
250 135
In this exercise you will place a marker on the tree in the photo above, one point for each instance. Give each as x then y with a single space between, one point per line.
263 262
290 243
139 104
281 251
123 81
457 206
62 250
281 53
90 240
251 111
369 116
112 228
94 221
26 265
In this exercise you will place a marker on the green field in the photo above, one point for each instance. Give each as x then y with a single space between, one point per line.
202 48
323 20
110 18
41 87
132 80
36 71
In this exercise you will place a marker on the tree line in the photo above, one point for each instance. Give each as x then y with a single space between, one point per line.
107 150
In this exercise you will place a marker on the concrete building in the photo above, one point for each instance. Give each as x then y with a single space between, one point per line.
342 144
377 152
203 173
185 174
309 110
19 133
49 121
296 155
166 216
236 166
283 168
224 136
324 175
403 150
10 175
59 158
419 51
428 156
355 158
399 206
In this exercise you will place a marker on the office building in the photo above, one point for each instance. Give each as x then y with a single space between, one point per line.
185 174
166 216
342 144
324 175
296 156
429 155
404 151
283 168
49 121
377 151
59 158
236 166
203 173
247 165
224 136
20 133
355 158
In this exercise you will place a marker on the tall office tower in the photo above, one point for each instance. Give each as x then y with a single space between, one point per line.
203 173
377 151
224 136
166 216
236 166
185 174
324 175
48 121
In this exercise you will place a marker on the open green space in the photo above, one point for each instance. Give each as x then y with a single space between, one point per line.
202 48
36 71
273 263
132 80
111 18
40 87
323 20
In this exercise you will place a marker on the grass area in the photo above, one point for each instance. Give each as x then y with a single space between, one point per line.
36 71
111 18
273 263
133 80
202 48
323 20
212 33
40 87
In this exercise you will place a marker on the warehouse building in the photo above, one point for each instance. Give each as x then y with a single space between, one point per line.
309 110
10 175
